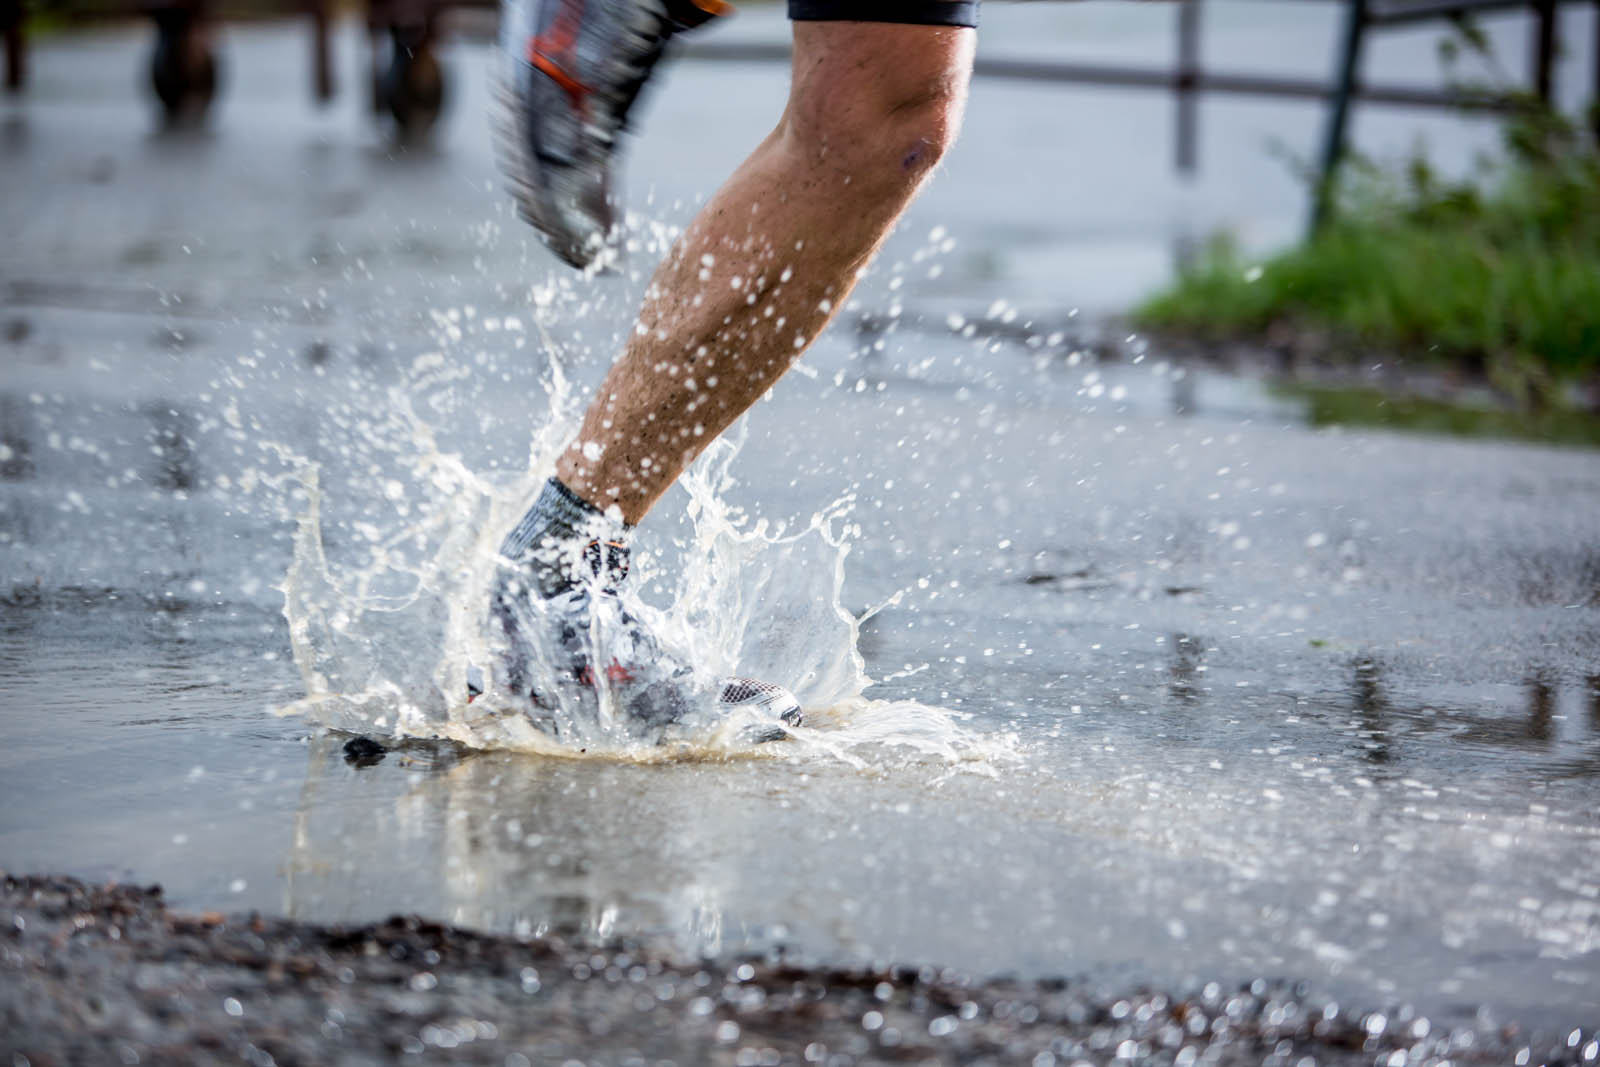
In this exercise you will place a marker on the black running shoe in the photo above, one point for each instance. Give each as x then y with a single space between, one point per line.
569 71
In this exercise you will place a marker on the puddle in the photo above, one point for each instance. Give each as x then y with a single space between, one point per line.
1249 708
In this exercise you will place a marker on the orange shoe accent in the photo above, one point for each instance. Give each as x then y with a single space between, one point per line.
576 91
713 7
547 51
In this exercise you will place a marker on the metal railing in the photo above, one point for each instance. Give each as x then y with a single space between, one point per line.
1364 16
1188 78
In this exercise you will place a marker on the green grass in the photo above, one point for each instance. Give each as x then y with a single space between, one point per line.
1505 281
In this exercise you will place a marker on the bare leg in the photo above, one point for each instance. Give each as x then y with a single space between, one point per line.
770 259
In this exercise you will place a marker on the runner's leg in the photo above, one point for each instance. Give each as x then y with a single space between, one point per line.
872 108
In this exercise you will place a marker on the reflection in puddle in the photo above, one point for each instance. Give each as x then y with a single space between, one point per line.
16 451
1188 654
172 437
525 844
1541 708
1367 697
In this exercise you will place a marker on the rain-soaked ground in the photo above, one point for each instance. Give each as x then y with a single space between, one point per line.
1206 696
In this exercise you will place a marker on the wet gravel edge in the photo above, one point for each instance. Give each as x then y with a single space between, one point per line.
109 974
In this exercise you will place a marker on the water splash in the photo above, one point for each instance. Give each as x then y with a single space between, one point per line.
385 637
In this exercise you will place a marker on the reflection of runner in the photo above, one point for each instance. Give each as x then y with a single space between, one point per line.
540 846
876 97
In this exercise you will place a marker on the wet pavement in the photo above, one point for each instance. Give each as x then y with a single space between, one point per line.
1256 701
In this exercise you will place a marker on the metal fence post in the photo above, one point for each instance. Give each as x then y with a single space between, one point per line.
1187 86
11 26
1355 28
1544 47
321 53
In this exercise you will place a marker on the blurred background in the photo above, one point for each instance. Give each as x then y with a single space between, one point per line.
1067 191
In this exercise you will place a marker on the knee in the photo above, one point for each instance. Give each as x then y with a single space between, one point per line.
919 130
884 129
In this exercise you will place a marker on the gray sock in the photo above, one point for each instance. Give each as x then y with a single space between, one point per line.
565 540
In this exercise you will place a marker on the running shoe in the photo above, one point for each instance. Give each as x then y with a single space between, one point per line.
588 666
569 72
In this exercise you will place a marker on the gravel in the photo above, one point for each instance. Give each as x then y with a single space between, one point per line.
110 974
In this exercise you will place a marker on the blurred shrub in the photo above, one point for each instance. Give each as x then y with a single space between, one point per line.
1498 273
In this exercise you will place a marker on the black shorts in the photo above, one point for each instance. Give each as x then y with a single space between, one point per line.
913 12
